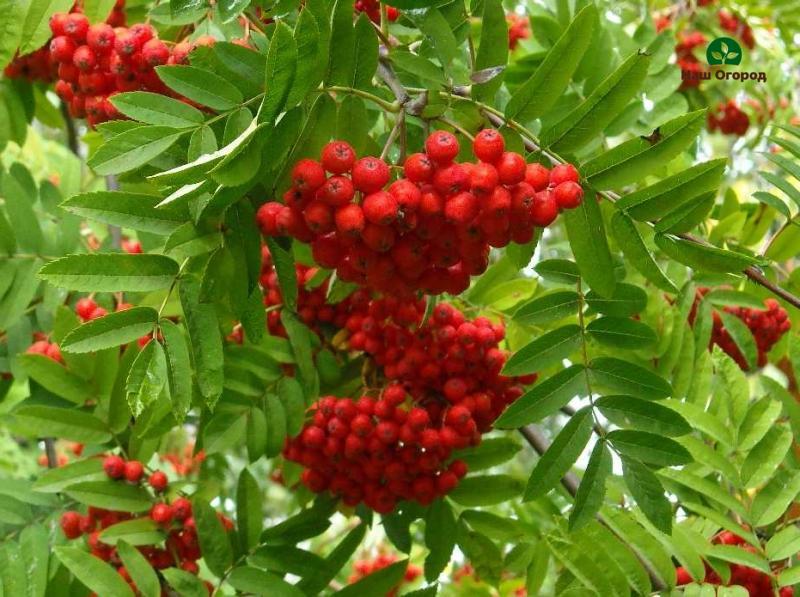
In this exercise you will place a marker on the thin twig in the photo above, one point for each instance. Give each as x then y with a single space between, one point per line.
50 451
72 133
540 445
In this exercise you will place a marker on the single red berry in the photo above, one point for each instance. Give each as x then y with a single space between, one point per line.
158 481
338 157
114 466
58 23
489 146
308 175
97 313
544 209
84 58
537 176
370 174
100 37
483 179
459 468
461 209
511 168
62 48
380 208
563 173
318 217
127 44
161 513
84 308
451 179
133 471
442 147
418 168
155 52
350 220
337 190
568 195
682 576
76 26
70 524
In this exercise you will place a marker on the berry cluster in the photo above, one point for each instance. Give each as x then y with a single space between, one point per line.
372 8
432 228
184 461
49 349
729 119
445 390
132 247
736 26
365 567
39 65
767 326
687 61
756 582
519 27
181 548
87 309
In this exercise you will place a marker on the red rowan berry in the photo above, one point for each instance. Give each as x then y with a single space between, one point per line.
370 174
158 481
155 52
380 208
511 168
459 468
537 176
308 175
84 58
100 37
461 209
483 179
62 49
406 193
70 524
58 23
563 173
488 146
114 466
318 217
350 220
338 157
568 195
451 179
133 471
441 147
181 508
84 308
161 513
544 209
76 26
418 168
337 190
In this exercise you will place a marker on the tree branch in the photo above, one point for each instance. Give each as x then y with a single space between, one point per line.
540 444
50 451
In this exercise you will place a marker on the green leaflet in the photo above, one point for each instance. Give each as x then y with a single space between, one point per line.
703 257
630 161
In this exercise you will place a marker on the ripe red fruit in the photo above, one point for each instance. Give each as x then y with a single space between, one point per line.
380 208
418 168
563 173
406 193
155 52
459 468
57 23
62 48
568 195
76 25
338 157
682 576
100 37
461 209
451 179
84 308
181 508
161 513
308 175
483 178
114 466
441 147
370 174
158 481
544 209
318 217
133 471
537 176
337 190
84 58
70 524
488 146
511 168
350 220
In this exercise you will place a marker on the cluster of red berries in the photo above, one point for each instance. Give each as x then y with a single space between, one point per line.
365 567
96 61
736 26
431 229
39 65
519 27
372 8
687 61
756 582
445 390
49 349
184 461
132 247
767 325
729 119
181 548
87 309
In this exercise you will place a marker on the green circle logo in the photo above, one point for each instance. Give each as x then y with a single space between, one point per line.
724 50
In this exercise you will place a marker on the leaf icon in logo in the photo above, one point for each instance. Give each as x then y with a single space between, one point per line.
731 55
724 47
717 55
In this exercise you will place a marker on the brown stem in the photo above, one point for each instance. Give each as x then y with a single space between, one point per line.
540 444
72 132
50 451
